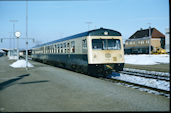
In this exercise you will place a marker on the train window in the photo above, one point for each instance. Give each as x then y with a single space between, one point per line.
114 44
68 47
61 48
97 44
105 44
53 50
141 42
73 47
64 45
65 50
58 48
68 44
147 41
48 49
84 43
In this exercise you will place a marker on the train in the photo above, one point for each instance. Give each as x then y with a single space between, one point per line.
98 51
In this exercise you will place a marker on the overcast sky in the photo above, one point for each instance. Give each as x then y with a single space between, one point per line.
51 20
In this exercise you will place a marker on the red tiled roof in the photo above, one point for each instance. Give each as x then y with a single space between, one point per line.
145 33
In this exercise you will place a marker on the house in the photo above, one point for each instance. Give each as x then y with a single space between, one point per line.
140 42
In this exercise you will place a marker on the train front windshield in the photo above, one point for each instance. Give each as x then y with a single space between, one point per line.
106 44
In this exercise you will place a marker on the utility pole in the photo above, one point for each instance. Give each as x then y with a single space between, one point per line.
27 34
10 44
14 21
149 39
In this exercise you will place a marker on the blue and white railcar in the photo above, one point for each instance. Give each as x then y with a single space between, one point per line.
95 51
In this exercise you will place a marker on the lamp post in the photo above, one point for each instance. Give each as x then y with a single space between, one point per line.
17 34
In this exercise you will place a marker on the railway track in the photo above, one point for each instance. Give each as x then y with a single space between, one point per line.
139 86
145 74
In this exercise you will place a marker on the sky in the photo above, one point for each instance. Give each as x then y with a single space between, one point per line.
55 19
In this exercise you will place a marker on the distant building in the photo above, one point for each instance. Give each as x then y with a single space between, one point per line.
167 40
2 53
12 54
140 42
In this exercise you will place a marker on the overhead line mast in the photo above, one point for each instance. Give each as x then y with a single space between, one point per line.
27 34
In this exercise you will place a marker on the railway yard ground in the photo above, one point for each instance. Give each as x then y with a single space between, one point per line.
47 88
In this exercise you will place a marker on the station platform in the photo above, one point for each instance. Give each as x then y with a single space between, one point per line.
44 88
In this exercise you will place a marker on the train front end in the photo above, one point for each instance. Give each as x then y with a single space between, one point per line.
105 51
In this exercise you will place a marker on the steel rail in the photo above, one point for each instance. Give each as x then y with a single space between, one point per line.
161 91
146 75
154 73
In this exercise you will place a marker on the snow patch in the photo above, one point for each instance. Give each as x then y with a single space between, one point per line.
147 59
160 84
20 64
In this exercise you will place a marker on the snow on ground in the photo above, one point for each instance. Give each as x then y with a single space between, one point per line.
12 57
146 59
160 84
20 64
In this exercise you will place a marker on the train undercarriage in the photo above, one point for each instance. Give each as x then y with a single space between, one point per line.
97 70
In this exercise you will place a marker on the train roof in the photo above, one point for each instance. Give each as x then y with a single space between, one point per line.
96 32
